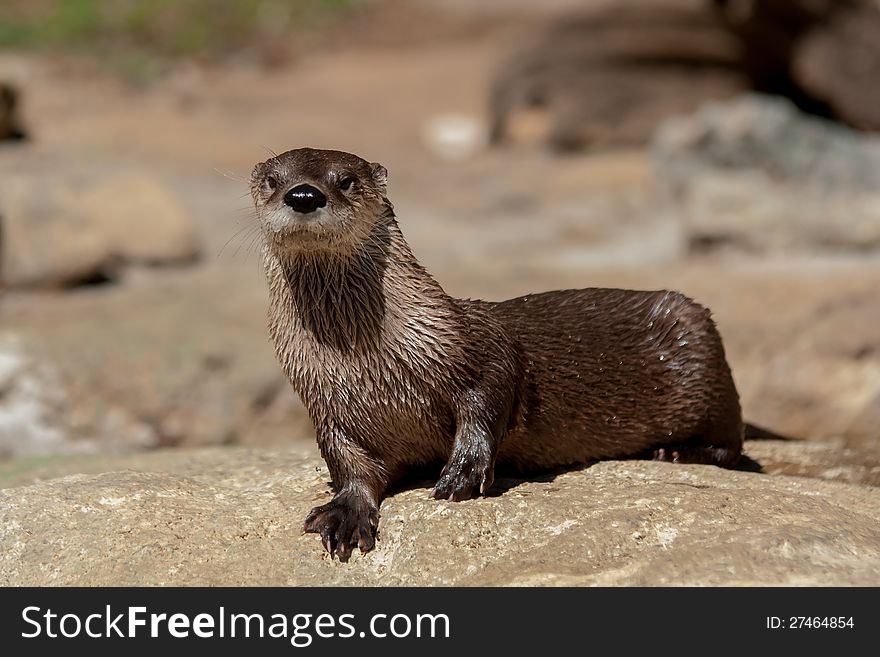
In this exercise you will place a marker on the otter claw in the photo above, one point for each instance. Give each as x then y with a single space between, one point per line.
462 479
343 524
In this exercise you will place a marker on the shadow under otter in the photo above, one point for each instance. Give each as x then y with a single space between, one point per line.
507 479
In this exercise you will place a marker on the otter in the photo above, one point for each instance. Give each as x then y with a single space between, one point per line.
396 374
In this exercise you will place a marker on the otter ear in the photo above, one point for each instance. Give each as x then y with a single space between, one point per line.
380 173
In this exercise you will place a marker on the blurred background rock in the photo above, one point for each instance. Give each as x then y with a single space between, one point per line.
719 148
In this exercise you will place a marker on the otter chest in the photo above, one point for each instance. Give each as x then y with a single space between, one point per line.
370 385
382 404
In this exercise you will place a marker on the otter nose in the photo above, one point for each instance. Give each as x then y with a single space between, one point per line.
305 198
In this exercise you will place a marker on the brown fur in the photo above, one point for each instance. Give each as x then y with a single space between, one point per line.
395 373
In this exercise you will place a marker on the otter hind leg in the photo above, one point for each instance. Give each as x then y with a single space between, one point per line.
725 457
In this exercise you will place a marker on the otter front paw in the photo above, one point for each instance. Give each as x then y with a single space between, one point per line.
465 475
344 523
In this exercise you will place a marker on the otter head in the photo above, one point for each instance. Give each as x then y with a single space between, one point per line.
318 200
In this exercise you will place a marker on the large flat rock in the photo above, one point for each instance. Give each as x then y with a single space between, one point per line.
233 517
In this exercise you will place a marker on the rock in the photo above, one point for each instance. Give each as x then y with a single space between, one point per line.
823 378
823 54
46 238
73 228
757 175
606 76
770 133
142 220
818 460
234 518
28 399
182 359
839 63
37 417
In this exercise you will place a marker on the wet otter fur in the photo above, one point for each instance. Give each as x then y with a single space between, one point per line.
397 374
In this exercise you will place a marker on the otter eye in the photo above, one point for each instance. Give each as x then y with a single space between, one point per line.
346 183
271 182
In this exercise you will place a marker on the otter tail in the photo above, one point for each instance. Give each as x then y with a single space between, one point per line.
754 432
